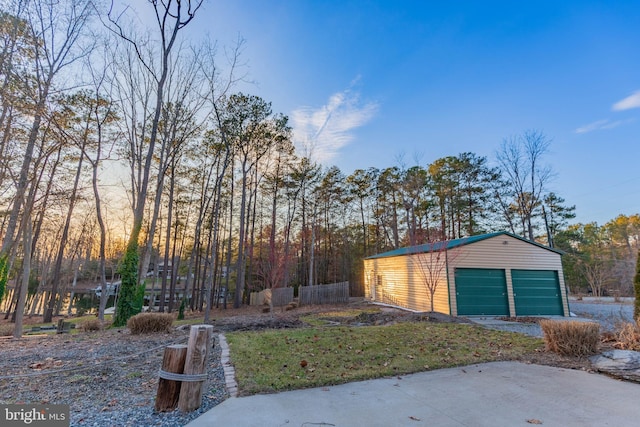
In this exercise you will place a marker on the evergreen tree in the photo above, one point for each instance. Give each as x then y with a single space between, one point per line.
129 301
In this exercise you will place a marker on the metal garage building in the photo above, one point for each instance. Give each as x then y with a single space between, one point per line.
496 274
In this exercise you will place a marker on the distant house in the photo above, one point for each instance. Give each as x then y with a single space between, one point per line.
496 274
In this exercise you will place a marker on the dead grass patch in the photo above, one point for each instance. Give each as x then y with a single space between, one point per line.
627 337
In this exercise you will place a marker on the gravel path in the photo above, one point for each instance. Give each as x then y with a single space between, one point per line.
609 314
108 378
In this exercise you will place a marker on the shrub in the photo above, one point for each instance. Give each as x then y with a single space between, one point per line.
148 323
571 338
91 325
628 336
6 330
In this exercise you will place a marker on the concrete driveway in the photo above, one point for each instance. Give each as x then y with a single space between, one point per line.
491 394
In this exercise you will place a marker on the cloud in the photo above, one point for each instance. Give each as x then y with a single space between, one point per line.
602 125
632 101
321 132
592 126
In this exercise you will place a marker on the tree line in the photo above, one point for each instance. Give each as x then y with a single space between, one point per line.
601 259
211 182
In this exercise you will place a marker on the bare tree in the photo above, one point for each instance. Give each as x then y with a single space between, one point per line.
431 260
171 17
101 111
179 123
520 159
217 88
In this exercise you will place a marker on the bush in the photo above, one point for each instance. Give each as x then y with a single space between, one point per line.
148 323
628 336
91 325
571 338
6 330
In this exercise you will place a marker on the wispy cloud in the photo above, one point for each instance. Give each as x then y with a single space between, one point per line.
632 101
602 125
321 132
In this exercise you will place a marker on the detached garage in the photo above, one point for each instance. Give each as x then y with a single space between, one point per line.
496 274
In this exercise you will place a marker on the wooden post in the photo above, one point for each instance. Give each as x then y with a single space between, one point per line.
200 340
169 390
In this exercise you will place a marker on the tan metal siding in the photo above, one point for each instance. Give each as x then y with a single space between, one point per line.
402 284
504 252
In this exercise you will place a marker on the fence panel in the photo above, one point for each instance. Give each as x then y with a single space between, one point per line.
335 293
279 296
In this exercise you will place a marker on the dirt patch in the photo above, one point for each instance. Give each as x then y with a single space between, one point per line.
391 316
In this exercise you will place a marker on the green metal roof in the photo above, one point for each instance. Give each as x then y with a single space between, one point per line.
450 244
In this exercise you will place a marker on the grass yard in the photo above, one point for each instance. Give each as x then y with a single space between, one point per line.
276 360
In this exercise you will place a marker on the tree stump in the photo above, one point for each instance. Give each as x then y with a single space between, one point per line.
200 338
169 390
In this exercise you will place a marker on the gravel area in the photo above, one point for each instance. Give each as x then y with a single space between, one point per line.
108 378
609 314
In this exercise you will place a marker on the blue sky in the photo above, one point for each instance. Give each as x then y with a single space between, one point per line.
377 83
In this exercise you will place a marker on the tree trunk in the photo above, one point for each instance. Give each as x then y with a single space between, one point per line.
63 239
26 271
240 263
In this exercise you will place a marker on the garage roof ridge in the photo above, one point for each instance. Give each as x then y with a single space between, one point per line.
454 243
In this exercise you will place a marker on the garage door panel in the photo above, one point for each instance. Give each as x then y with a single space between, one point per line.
536 292
481 292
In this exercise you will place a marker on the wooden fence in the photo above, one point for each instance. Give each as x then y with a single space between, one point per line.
334 293
279 296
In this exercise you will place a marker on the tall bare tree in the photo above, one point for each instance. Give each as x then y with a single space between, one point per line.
171 17
521 163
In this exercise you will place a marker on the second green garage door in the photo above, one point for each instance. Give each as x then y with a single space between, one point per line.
481 291
536 292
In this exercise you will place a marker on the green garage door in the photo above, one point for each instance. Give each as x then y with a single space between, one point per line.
536 292
481 291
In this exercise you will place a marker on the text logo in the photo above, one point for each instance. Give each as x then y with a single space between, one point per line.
34 415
